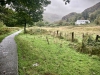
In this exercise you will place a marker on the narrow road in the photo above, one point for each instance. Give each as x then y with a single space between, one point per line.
8 56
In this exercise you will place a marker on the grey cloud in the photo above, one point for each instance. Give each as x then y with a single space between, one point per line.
58 7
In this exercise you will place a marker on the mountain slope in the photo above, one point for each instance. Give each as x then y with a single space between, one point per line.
93 8
89 13
71 17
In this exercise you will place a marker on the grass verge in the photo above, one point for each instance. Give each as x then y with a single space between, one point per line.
37 57
4 32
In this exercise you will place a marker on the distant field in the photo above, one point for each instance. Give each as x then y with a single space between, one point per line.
76 29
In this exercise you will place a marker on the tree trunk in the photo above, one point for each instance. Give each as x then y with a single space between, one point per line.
25 27
72 36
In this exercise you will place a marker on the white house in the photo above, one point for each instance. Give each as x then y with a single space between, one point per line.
78 22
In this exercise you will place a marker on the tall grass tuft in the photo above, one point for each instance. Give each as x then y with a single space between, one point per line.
36 31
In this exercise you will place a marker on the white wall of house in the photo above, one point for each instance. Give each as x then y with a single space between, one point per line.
78 22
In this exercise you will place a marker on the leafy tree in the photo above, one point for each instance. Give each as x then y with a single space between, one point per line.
7 16
30 11
97 20
27 10
47 22
92 17
3 12
10 19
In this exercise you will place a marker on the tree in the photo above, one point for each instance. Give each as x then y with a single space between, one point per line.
30 11
27 10
7 16
92 17
97 20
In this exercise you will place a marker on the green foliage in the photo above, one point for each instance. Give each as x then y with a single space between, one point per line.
72 17
7 16
10 19
46 22
36 31
94 15
30 10
2 25
97 20
89 46
6 30
27 11
60 23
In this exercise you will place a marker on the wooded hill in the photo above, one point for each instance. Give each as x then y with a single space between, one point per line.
92 14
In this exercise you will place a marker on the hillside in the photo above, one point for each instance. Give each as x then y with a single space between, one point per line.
51 17
89 13
70 17
93 8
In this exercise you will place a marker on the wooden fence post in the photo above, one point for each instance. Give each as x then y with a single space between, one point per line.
83 35
47 40
72 36
57 32
60 34
97 36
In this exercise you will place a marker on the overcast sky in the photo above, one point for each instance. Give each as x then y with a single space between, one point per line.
58 7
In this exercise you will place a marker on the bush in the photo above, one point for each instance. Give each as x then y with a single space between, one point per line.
89 46
36 31
40 23
2 24
6 30
97 20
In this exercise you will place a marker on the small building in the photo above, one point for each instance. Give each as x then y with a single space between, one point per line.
78 22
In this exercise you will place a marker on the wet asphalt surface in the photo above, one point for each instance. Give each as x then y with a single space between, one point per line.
8 56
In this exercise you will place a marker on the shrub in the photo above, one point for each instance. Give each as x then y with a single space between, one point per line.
36 31
89 46
6 30
2 24
40 24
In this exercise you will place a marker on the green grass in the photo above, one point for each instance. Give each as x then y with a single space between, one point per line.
52 59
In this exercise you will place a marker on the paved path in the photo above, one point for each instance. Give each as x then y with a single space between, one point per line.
8 56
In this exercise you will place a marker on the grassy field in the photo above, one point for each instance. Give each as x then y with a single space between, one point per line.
37 57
